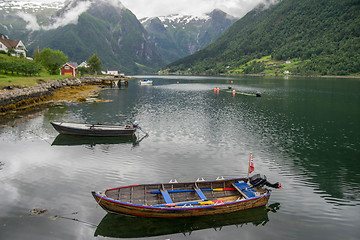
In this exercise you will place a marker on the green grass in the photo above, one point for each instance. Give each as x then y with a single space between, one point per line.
271 66
20 81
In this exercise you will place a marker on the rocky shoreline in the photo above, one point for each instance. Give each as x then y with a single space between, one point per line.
15 98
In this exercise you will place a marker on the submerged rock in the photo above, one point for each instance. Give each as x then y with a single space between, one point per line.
38 211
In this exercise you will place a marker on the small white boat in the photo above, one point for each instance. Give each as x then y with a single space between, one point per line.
146 82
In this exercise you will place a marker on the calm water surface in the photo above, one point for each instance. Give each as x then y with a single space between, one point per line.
303 132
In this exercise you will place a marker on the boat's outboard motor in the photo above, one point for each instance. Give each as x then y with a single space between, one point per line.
258 181
136 124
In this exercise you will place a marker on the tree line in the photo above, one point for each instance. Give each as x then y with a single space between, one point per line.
48 59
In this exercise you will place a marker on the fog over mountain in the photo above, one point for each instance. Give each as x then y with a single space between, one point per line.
155 8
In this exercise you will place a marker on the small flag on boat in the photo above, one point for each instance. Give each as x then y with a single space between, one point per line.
251 164
252 168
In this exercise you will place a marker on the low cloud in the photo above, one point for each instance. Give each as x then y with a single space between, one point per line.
145 8
31 21
68 15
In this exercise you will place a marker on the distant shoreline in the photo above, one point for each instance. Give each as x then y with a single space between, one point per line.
263 75
271 75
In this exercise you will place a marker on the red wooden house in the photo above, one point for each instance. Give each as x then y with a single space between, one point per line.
69 69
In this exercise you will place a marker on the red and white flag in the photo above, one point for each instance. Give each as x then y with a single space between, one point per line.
251 166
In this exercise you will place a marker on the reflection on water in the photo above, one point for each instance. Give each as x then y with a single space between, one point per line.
73 140
121 226
304 133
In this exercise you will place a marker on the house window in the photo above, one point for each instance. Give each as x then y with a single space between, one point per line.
67 67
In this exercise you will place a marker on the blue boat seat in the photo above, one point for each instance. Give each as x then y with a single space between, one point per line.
166 197
200 193
246 189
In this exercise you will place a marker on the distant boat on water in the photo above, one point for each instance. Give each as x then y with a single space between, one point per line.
146 82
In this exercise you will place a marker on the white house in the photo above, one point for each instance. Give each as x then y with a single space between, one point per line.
112 72
286 72
84 64
6 44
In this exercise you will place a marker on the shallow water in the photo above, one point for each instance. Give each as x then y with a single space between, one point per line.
303 132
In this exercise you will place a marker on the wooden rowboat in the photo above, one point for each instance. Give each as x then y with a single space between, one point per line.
189 199
100 130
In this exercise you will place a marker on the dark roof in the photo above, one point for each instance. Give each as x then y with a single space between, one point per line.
70 64
9 43
74 64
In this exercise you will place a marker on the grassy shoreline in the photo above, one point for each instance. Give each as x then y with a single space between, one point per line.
19 81
20 100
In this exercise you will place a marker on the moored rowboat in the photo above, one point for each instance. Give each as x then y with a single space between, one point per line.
187 199
94 129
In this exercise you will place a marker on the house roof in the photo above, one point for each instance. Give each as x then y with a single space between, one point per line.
70 64
74 64
9 43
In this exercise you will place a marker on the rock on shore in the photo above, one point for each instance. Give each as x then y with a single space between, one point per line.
15 96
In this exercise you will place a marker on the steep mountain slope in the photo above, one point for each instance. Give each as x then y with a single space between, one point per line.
177 36
323 34
84 27
114 33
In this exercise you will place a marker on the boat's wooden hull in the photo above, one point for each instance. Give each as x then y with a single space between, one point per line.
170 200
93 129
117 207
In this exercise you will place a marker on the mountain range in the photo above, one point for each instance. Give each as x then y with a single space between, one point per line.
178 36
321 36
81 28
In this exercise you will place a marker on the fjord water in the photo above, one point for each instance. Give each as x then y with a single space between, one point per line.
303 132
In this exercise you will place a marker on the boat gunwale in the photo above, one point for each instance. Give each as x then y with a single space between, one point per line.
89 125
174 183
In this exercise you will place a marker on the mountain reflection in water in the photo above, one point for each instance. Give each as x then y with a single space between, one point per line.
122 226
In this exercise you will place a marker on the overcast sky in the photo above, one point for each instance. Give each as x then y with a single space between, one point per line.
151 8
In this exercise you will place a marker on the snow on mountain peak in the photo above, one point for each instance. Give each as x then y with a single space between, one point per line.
66 12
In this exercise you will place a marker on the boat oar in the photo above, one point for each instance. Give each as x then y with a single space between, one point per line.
193 190
146 134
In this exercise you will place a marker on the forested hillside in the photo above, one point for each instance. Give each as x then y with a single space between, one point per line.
114 34
323 36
